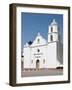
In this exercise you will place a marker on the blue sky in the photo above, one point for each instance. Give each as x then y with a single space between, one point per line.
32 23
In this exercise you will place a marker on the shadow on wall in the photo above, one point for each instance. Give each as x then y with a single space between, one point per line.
60 52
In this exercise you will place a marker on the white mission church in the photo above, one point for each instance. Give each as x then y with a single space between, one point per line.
44 53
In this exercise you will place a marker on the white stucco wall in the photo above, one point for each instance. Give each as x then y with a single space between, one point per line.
26 57
42 40
52 55
47 52
35 55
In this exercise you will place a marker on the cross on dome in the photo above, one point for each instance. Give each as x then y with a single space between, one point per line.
54 22
38 34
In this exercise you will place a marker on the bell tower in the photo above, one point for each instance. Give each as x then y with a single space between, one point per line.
53 31
52 49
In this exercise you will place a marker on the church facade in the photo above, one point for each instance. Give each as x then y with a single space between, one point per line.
44 53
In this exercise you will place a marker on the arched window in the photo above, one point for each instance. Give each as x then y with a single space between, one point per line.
38 40
51 29
38 50
51 38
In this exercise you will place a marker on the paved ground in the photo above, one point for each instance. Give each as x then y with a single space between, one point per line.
49 72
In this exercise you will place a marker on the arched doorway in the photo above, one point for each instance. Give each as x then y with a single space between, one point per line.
37 64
